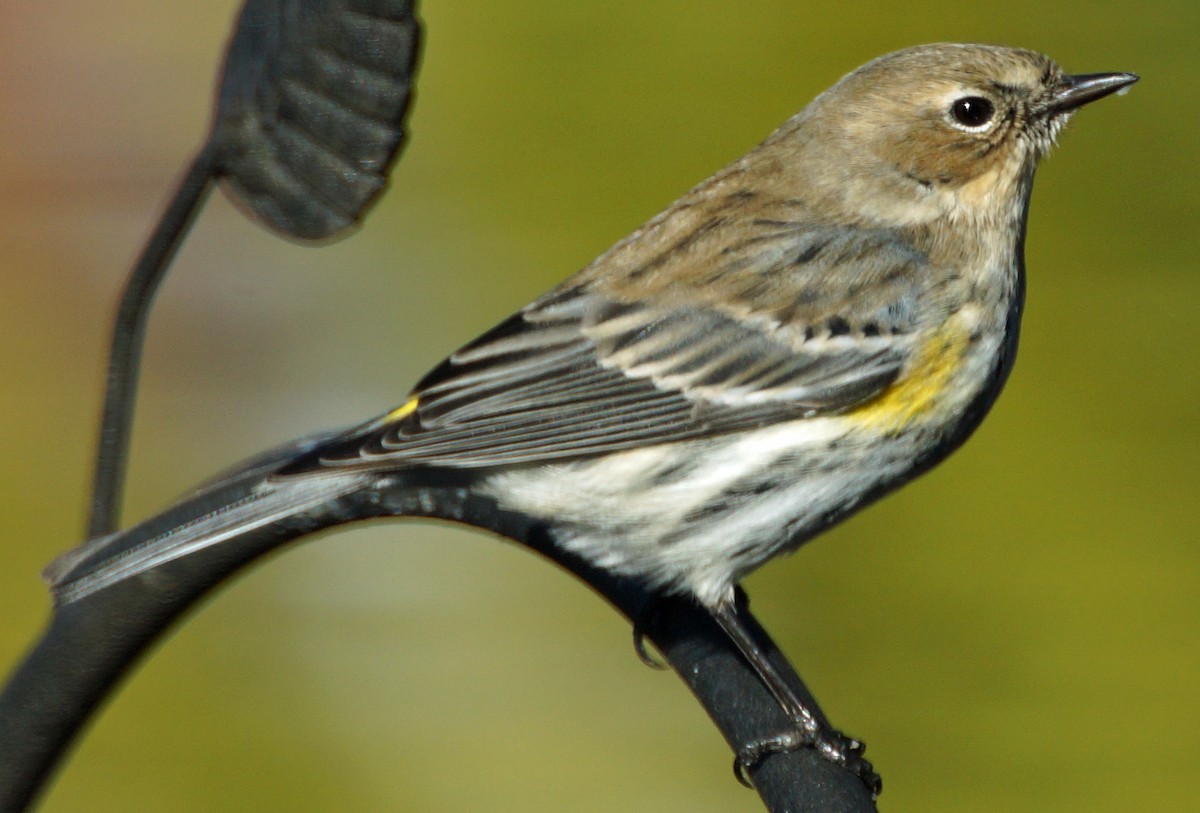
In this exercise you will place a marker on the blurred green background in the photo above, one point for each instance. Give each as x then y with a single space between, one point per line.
1018 630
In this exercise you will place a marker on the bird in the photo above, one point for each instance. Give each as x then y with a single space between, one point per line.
805 331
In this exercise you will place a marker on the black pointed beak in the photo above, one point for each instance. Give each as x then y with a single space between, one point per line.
1076 91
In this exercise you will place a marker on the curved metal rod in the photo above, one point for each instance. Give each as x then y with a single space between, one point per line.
129 331
91 644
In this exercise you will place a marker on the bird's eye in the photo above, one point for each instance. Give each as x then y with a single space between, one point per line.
972 111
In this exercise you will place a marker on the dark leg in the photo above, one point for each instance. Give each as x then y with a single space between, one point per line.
811 730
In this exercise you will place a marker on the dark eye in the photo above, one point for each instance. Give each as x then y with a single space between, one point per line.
972 111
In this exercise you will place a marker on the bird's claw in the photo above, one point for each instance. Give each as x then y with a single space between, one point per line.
641 647
833 746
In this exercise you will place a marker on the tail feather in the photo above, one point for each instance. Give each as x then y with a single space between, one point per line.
193 524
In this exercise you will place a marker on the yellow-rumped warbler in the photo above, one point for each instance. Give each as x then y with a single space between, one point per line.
803 332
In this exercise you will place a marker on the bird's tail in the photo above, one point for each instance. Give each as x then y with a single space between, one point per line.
221 512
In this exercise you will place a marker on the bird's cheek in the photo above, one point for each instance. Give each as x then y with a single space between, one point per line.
976 192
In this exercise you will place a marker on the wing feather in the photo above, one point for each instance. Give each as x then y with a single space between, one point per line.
787 334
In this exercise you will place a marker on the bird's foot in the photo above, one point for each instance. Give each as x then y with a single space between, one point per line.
834 746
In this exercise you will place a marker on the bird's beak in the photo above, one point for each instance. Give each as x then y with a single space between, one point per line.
1076 91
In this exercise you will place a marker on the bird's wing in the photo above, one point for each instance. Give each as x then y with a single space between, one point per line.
582 372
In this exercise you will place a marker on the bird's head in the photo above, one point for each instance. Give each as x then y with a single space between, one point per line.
939 130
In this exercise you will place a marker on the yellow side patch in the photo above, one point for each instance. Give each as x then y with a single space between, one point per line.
917 392
402 412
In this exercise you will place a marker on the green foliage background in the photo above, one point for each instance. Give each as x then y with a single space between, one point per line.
1018 630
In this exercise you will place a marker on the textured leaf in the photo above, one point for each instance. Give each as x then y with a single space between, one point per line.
311 108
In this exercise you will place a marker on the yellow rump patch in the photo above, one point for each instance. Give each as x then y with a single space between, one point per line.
402 412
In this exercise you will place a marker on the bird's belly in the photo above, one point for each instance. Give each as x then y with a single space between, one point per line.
695 517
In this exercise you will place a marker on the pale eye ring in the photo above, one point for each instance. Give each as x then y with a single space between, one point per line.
972 112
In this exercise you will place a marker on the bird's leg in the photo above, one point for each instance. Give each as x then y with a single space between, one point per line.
811 730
